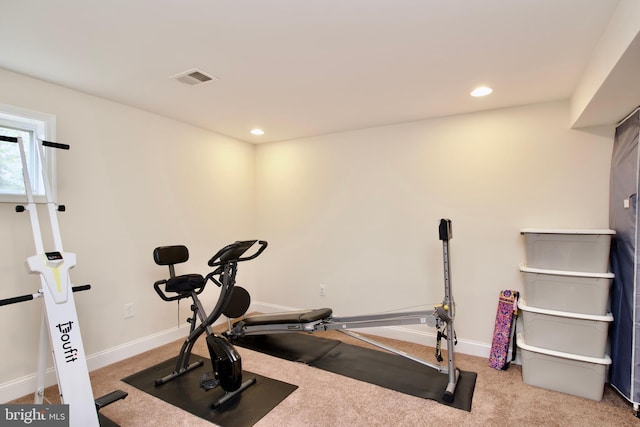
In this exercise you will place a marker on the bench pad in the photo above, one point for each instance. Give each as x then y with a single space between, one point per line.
302 316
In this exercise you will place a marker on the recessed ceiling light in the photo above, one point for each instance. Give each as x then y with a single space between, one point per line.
257 132
481 91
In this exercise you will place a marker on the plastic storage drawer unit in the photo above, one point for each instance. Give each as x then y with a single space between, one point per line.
568 250
567 373
573 291
580 334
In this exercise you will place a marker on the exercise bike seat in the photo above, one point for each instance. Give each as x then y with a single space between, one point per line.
184 283
302 316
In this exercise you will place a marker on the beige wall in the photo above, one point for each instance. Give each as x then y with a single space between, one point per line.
358 211
131 181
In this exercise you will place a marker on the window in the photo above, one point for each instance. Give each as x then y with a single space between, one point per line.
30 126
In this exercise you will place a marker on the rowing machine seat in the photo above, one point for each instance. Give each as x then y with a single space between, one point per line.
302 316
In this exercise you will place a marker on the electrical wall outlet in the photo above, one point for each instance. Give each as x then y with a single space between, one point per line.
323 290
128 310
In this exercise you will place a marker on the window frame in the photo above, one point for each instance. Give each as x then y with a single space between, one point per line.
43 127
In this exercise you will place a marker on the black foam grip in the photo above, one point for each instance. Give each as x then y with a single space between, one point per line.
15 300
55 145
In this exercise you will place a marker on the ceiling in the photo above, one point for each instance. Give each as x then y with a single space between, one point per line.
299 68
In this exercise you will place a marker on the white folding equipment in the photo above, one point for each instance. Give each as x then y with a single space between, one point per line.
60 318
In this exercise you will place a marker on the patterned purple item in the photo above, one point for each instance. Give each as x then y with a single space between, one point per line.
507 307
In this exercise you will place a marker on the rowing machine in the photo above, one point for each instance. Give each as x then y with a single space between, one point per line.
441 317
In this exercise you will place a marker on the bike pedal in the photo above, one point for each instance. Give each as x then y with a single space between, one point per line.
208 381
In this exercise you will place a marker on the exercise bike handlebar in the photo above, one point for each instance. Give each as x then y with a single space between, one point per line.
29 297
233 252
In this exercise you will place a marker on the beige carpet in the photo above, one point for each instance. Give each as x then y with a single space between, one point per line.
327 399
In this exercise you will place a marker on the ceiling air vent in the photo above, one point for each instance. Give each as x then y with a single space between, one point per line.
193 77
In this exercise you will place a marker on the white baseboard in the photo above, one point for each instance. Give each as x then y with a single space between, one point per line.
26 385
428 338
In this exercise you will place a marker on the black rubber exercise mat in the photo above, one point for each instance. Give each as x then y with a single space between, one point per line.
376 367
105 422
184 392
295 347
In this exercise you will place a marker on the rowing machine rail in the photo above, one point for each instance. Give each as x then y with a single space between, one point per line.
441 317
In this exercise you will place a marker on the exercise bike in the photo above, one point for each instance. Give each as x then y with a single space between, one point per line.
225 360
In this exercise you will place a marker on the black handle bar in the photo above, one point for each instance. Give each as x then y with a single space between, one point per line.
16 299
29 297
44 143
55 145
234 252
